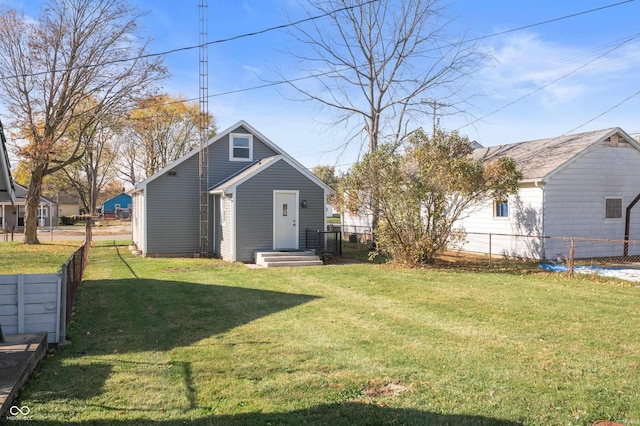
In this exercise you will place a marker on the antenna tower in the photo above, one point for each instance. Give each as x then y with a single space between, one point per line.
204 128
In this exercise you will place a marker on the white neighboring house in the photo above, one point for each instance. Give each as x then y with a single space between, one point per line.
574 186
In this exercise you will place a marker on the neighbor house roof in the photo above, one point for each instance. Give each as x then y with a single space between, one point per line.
7 189
539 159
21 195
66 198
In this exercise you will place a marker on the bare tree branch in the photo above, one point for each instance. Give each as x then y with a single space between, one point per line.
54 87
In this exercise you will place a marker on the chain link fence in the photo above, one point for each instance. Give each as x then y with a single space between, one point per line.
356 234
568 251
565 250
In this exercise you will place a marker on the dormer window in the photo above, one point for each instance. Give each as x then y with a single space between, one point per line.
240 147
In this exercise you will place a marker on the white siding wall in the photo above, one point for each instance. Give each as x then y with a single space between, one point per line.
575 197
359 224
573 200
138 220
486 233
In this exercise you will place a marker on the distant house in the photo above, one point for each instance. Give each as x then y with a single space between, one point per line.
117 207
7 190
258 199
12 214
577 185
68 204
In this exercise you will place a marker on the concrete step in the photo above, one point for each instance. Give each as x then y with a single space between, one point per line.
260 254
293 263
287 258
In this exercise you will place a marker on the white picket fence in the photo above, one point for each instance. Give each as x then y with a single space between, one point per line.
32 303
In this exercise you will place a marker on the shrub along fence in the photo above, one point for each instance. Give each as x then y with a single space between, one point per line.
31 303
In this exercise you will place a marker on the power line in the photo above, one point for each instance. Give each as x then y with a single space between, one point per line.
283 26
575 70
287 81
182 49
603 113
271 84
551 20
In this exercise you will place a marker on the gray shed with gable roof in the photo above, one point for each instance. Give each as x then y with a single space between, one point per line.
260 198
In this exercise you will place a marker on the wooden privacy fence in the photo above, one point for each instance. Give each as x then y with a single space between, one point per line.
31 303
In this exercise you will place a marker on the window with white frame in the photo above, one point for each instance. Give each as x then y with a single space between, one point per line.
613 208
240 147
501 208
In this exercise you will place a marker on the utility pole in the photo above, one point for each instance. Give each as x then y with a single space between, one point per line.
436 120
204 127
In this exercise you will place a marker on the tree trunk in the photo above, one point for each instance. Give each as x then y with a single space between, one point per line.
32 205
93 191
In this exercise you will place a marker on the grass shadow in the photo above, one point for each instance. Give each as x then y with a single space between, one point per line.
134 315
116 317
346 414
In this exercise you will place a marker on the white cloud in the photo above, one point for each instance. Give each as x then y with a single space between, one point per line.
254 70
555 74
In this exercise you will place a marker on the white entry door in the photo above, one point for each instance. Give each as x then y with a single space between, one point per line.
285 220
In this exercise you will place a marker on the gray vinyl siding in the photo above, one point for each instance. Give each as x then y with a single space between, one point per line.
220 168
173 203
173 219
254 200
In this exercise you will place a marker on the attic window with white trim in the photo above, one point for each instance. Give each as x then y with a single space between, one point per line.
240 147
613 208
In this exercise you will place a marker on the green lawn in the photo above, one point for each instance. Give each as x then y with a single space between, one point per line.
175 341
45 258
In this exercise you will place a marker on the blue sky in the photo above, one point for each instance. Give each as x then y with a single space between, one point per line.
541 82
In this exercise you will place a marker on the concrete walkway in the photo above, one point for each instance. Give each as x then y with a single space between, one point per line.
19 356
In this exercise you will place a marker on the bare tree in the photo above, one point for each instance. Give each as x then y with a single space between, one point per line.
96 168
381 65
75 51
